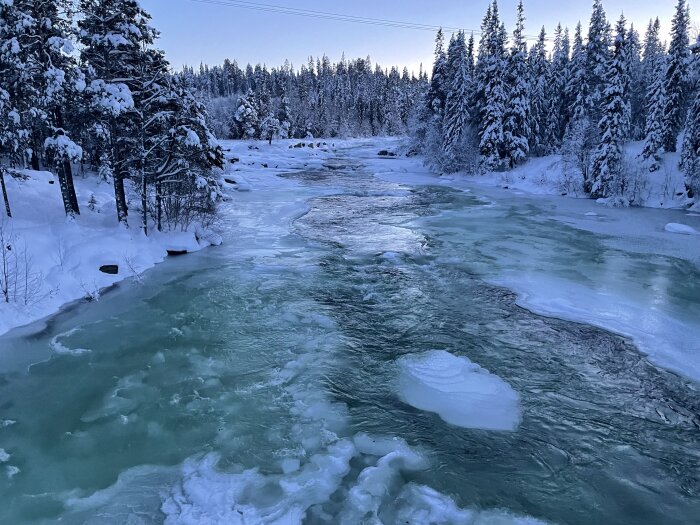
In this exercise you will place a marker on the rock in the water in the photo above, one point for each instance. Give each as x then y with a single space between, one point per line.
111 269
230 181
177 252
386 153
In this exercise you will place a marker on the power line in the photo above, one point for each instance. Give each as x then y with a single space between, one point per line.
324 15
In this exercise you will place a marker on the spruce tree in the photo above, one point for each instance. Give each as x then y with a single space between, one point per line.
597 58
491 88
577 88
516 124
247 119
557 83
607 179
541 142
655 117
676 77
690 153
456 118
637 88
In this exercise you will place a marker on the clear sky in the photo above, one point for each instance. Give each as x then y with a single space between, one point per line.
194 32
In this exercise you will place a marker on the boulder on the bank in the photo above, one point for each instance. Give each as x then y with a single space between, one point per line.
110 269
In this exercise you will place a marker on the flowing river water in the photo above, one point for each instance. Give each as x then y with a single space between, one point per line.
256 382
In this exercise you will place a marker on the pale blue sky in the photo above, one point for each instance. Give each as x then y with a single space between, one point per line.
193 32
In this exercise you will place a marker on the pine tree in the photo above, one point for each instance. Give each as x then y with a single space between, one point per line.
607 164
38 34
114 35
676 76
516 124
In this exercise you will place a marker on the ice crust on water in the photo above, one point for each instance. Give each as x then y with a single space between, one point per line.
669 340
460 392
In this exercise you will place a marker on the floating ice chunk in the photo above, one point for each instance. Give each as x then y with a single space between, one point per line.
459 391
684 229
4 456
11 471
7 422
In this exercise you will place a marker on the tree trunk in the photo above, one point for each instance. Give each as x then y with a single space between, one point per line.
144 202
120 198
4 192
65 175
159 206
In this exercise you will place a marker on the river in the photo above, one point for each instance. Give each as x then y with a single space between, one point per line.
257 382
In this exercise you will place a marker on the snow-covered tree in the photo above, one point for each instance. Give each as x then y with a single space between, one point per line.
690 154
36 42
516 123
577 88
492 89
655 115
597 58
456 117
607 178
676 76
637 94
541 138
115 35
247 119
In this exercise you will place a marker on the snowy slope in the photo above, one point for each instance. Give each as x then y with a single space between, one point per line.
64 256
552 175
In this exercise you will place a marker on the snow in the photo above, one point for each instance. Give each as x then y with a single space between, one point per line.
684 229
460 392
65 255
553 175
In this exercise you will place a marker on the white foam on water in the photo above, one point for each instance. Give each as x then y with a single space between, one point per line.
459 391
58 347
4 456
421 505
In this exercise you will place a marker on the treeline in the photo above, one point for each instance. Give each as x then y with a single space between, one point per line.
493 106
350 98
82 83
